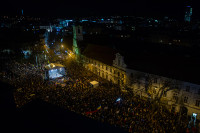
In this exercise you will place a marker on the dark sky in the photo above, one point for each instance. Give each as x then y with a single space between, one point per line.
174 8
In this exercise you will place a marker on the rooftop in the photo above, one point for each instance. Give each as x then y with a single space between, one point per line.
53 65
176 62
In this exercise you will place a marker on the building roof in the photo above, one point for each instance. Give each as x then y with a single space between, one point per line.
53 66
176 62
94 82
167 61
100 53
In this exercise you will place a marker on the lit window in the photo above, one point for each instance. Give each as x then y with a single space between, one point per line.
175 97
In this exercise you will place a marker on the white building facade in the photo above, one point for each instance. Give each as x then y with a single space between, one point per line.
180 96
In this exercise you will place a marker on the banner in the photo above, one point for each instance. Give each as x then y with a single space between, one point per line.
90 112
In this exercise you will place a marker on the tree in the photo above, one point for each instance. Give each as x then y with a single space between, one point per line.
135 79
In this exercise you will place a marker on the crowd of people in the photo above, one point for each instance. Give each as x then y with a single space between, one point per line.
106 103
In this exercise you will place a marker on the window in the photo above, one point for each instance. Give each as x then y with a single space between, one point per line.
197 103
110 69
118 74
99 65
102 74
175 97
188 88
107 76
106 67
185 100
102 66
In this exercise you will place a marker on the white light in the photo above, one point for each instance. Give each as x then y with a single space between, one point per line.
194 114
118 99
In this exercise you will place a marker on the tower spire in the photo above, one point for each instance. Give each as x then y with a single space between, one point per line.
77 36
75 47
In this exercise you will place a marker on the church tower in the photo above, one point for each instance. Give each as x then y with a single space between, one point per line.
77 36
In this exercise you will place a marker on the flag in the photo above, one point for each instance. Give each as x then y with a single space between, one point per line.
90 112
98 108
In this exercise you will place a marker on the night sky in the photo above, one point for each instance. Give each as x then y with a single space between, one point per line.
65 8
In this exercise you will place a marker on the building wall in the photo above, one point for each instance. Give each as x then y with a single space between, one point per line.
136 80
187 93
110 73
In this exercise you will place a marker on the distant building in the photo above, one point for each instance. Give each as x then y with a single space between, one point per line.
188 14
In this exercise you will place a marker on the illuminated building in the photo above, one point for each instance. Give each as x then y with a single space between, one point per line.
188 14
119 67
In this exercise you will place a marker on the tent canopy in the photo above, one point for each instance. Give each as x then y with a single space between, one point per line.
94 83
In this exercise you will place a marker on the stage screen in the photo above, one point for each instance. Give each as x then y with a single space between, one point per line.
55 73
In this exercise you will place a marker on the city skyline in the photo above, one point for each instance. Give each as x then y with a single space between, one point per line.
62 8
